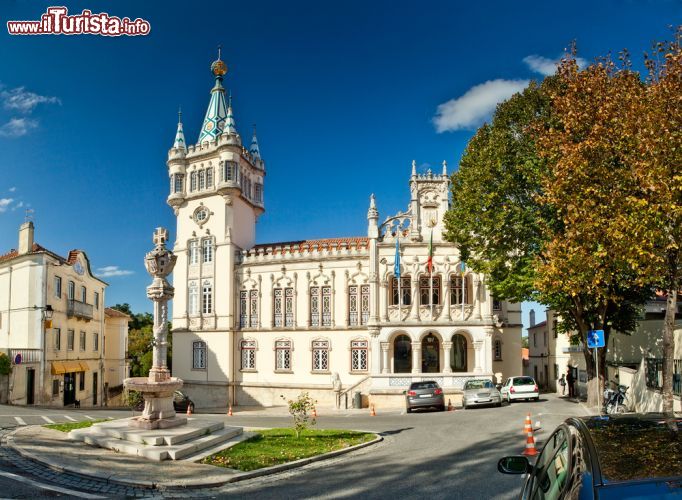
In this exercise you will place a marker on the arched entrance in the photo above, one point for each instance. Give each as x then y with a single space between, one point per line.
402 354
458 353
430 354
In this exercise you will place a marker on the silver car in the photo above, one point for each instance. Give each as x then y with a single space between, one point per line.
479 392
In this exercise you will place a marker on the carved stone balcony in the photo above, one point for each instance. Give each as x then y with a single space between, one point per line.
80 310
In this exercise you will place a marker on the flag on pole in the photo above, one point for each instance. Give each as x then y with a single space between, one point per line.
396 267
429 262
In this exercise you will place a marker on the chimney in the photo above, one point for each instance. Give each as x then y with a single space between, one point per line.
532 318
26 238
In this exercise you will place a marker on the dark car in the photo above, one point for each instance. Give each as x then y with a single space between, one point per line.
427 394
180 402
606 457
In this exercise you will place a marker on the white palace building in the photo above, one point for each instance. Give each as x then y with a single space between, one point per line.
254 322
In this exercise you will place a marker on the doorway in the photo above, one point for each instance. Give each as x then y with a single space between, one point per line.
69 389
30 386
94 388
430 354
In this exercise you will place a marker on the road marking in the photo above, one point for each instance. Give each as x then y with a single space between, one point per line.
88 416
36 484
72 419
20 420
47 419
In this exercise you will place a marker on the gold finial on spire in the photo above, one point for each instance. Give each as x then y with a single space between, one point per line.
219 68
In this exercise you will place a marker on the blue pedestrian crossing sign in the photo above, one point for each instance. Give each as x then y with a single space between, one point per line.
595 338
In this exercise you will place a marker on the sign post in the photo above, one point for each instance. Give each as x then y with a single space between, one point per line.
595 340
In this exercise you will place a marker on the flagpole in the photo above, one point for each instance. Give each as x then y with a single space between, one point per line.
462 271
431 269
397 273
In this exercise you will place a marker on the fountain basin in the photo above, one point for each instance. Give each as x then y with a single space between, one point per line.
158 410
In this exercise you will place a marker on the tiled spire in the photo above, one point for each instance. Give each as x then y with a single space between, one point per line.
254 149
180 135
230 125
216 114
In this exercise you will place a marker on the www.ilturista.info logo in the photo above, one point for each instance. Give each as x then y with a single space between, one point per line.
57 21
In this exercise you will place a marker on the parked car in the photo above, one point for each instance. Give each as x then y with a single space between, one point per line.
606 457
180 402
479 392
427 394
520 388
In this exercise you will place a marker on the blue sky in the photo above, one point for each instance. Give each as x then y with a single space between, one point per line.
345 96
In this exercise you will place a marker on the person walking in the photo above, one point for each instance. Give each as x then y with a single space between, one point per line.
571 382
562 383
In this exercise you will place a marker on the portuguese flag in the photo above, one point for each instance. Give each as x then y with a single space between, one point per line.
429 261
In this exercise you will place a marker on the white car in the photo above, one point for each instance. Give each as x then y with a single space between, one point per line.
520 388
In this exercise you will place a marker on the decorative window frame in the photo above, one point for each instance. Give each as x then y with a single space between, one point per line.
249 305
405 289
359 344
425 287
193 293
322 347
207 299
284 297
283 344
207 250
455 298
323 286
251 345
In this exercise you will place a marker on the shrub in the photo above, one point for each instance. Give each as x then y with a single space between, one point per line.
5 364
132 398
301 410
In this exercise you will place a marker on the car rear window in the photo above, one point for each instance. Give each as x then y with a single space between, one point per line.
478 384
423 385
633 447
524 381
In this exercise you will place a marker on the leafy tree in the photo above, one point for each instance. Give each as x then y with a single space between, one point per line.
510 219
657 165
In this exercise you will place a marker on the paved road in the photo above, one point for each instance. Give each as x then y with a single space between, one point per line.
15 416
424 455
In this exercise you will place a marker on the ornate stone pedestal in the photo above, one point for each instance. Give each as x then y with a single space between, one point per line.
158 403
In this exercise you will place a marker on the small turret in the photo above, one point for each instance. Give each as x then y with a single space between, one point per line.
216 114
179 142
372 218
254 149
230 124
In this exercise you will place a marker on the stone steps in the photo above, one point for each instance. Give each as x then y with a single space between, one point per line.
160 444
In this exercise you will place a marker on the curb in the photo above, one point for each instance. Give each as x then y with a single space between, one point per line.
241 476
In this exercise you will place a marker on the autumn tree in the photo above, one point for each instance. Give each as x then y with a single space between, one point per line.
657 164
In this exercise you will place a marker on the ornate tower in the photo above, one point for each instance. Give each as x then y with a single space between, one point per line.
216 192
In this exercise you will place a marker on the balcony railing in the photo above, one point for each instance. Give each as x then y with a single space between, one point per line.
25 356
80 310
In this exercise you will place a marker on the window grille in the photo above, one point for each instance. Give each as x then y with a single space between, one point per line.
288 307
353 305
243 311
178 181
358 304
199 355
283 355
253 297
283 307
425 287
405 290
209 177
248 348
320 355
202 180
207 250
498 350
314 306
358 355
458 296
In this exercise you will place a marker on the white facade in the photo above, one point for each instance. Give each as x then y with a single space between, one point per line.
253 322
55 362
115 350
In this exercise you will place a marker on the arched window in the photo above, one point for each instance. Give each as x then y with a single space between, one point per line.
429 284
430 354
320 355
209 177
248 348
458 353
405 291
193 181
458 290
402 354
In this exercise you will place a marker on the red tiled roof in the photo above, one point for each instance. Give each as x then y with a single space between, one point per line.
115 313
13 254
524 353
302 245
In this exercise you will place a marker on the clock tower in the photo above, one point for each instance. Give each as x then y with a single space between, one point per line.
216 193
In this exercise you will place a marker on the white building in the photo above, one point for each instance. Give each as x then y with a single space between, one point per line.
51 325
252 322
115 353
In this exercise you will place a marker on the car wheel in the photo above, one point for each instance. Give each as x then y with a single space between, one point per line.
508 399
537 399
441 407
191 407
498 404
409 410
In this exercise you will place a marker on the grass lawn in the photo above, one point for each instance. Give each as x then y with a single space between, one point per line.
69 426
278 446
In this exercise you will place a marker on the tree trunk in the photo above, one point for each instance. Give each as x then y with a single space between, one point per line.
668 351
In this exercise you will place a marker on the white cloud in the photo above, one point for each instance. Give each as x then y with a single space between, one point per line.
12 189
24 101
478 103
17 127
108 271
18 205
5 203
546 66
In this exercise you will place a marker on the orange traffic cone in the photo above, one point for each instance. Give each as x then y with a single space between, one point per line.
229 410
314 412
450 407
530 450
372 412
189 409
